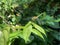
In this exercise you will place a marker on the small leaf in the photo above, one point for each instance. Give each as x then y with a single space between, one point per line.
38 34
27 32
39 29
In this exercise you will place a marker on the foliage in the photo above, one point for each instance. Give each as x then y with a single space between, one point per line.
29 22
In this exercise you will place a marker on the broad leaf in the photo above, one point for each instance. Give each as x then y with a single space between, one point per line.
56 35
27 32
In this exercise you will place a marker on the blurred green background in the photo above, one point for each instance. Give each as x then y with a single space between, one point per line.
29 22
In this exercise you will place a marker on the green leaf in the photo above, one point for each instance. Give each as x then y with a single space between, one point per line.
5 36
39 29
1 38
54 24
58 20
38 34
27 32
14 34
56 35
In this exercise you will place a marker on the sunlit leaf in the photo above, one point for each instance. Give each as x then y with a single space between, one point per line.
14 34
27 31
39 28
38 34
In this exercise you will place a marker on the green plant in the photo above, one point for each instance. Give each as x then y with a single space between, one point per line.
29 22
